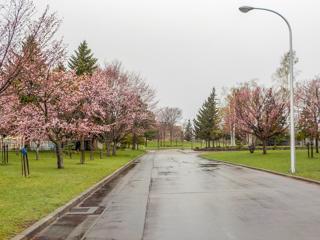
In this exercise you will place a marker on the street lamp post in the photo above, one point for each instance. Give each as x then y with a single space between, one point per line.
246 9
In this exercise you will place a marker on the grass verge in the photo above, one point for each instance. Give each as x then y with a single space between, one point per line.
277 160
23 201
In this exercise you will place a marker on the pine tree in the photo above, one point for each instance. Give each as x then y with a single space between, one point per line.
188 132
207 121
29 73
83 61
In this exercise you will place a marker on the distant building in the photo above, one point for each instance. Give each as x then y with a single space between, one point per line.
44 146
12 142
15 143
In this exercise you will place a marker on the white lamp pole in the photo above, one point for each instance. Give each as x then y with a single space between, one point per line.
246 9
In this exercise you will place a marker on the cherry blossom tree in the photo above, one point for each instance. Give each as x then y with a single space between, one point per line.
127 107
84 125
7 116
308 105
229 117
22 36
261 112
46 102
47 110
115 106
30 84
145 118
92 114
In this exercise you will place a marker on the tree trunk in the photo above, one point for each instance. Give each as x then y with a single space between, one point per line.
37 151
70 153
92 149
108 146
234 136
317 144
82 154
59 155
264 146
37 154
163 143
134 141
114 149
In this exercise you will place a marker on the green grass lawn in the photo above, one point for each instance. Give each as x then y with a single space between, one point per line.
175 145
25 200
277 160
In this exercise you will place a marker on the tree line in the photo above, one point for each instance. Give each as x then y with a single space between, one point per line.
251 114
46 96
42 99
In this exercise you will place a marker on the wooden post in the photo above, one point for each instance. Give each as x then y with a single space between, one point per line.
7 155
25 162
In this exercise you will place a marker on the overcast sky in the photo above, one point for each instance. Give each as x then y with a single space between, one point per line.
186 47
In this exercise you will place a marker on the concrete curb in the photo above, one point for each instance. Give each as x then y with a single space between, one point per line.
265 170
47 220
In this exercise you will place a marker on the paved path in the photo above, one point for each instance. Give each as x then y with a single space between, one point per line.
171 195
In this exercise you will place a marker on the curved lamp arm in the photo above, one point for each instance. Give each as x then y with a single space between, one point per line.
246 9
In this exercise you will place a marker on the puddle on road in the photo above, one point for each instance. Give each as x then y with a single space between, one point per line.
208 167
166 173
205 165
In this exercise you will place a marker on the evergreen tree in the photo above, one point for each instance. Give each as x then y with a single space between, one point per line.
83 61
188 131
207 121
26 84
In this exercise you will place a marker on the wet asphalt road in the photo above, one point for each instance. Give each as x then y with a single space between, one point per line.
171 195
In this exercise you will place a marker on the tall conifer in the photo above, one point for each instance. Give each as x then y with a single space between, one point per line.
207 121
83 61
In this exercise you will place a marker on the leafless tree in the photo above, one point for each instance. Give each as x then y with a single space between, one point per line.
144 90
18 24
168 118
281 76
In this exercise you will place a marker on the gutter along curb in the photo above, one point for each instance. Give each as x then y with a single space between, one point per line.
47 220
